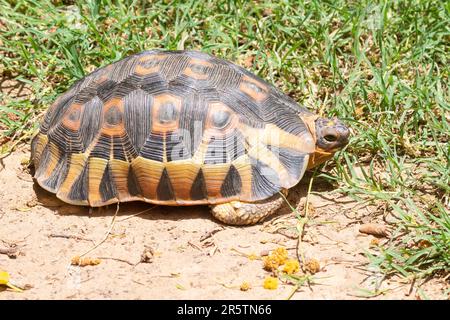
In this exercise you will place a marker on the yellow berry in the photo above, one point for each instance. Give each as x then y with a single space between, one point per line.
270 283
245 286
291 266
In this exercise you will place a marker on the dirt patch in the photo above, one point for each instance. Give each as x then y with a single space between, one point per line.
183 252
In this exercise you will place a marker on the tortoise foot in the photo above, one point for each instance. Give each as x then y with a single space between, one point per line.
242 213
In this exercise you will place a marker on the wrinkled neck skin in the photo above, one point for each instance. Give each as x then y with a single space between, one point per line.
320 155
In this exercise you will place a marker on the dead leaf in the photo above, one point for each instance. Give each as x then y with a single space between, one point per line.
312 266
248 62
374 229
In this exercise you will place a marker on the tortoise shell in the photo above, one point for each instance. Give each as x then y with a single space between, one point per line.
172 128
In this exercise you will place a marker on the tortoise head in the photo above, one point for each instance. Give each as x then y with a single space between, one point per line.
330 135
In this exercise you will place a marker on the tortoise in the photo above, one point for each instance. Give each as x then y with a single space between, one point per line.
180 128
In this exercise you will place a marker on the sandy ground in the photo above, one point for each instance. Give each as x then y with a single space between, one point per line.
183 262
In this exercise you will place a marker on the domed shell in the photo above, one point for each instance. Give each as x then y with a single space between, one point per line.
172 128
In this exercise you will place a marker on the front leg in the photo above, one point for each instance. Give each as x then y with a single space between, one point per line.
244 213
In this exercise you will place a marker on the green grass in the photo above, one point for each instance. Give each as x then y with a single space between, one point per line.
382 66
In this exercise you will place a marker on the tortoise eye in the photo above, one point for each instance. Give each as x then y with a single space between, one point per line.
167 112
220 118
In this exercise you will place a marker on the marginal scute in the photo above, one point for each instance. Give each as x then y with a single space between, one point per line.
58 175
198 188
78 193
148 173
108 190
76 167
132 183
232 184
37 146
265 180
165 191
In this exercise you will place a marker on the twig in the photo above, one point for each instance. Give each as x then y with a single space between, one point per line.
210 233
107 234
301 226
68 236
120 260
411 288
194 246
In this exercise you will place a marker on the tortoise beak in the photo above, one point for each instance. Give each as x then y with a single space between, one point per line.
331 134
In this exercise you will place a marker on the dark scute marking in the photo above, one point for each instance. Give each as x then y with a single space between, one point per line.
113 116
107 186
153 148
150 63
192 121
57 176
137 115
226 148
265 181
123 148
232 184
103 147
34 143
132 183
198 188
220 118
216 153
167 112
291 159
74 115
106 89
237 146
177 147
79 190
154 84
86 94
90 121
250 112
53 116
283 116
66 139
164 191
45 158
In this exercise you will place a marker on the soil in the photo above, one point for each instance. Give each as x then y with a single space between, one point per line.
181 252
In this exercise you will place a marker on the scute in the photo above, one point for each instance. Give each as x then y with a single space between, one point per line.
173 128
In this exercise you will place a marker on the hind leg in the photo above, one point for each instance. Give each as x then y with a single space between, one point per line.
242 213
